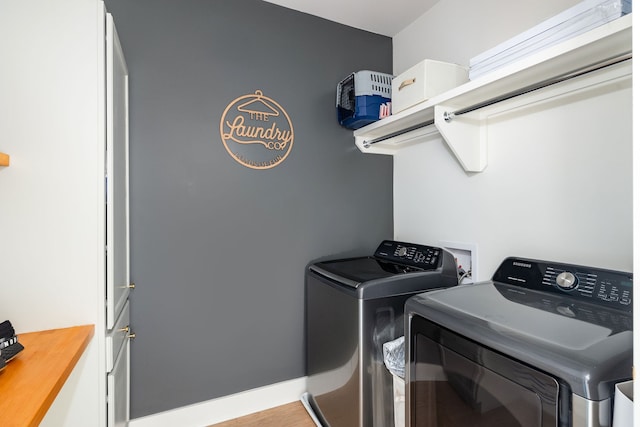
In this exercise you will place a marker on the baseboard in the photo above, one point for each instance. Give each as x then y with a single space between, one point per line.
227 407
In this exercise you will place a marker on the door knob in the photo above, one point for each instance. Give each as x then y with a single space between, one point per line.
126 330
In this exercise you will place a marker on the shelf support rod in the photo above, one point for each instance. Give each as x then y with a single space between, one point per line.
450 115
367 144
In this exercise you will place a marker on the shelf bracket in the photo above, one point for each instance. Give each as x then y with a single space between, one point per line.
465 135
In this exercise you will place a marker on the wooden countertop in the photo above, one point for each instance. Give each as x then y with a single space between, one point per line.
30 383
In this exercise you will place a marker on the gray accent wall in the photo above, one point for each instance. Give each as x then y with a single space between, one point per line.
218 250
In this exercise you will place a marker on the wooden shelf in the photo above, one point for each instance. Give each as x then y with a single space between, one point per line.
4 159
466 135
30 383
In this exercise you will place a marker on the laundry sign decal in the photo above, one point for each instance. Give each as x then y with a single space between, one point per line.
256 131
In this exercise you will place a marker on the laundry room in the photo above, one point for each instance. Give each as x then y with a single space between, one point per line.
239 178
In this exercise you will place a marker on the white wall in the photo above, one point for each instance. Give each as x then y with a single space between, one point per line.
456 30
558 184
50 212
48 122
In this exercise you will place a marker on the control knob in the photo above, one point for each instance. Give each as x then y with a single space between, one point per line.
566 280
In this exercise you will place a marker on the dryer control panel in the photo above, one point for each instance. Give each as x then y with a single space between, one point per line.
418 256
599 286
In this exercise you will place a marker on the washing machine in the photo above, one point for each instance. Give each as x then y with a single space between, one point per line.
354 306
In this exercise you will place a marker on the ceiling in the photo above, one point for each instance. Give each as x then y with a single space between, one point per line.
386 17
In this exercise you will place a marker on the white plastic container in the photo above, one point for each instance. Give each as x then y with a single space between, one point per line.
393 356
398 401
423 81
622 404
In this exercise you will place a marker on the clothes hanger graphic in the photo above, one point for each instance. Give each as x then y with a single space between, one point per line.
258 107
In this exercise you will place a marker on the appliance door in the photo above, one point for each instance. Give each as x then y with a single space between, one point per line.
453 381
117 176
354 271
117 230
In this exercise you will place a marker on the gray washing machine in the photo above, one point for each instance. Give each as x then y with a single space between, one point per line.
354 306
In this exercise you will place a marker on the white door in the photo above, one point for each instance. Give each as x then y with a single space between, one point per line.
118 390
117 228
117 176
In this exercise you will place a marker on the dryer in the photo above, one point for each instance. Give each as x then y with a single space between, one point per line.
542 344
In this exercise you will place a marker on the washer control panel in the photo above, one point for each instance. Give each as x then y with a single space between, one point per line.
599 286
411 254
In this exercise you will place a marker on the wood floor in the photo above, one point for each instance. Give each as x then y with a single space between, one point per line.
289 415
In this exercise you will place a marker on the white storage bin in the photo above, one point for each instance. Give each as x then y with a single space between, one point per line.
423 81
398 401
393 356
623 404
